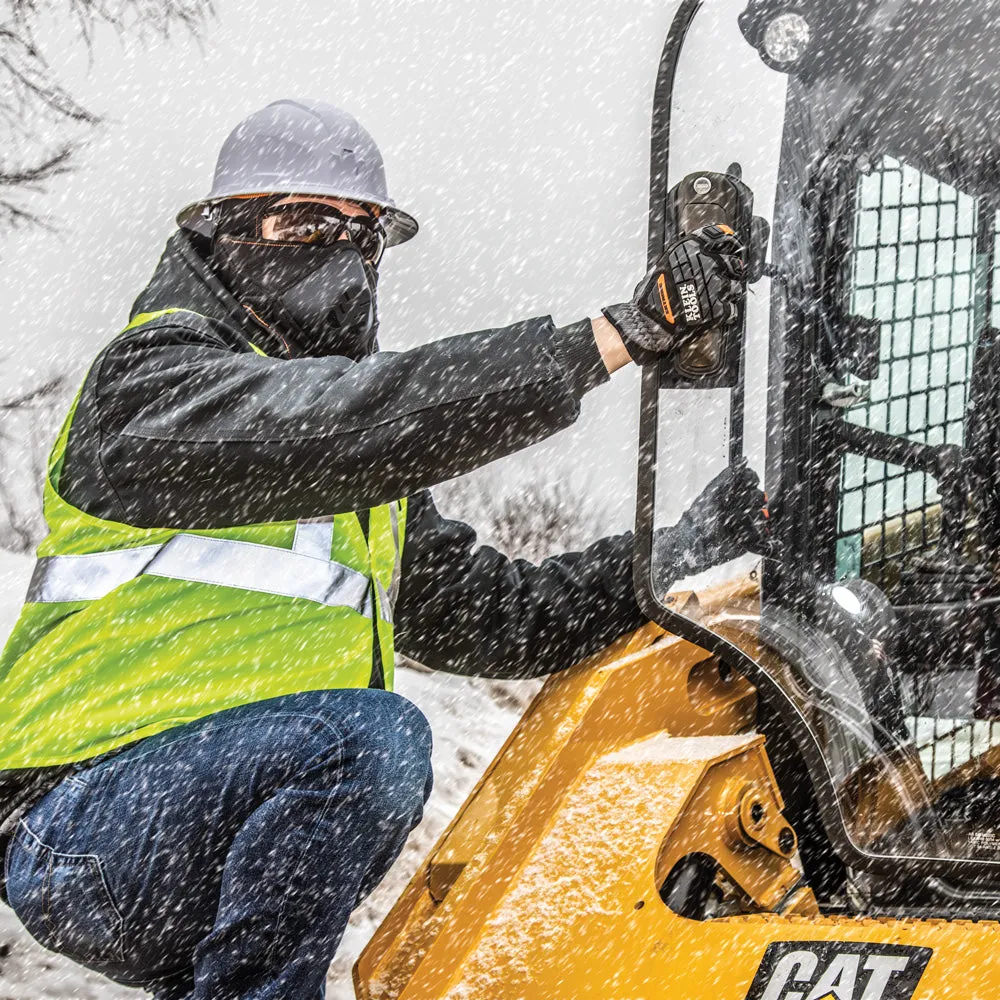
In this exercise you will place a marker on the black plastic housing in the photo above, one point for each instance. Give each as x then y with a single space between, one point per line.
706 198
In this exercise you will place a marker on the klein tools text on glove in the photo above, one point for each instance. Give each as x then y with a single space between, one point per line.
696 284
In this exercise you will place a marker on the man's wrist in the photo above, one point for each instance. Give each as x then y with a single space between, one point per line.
609 342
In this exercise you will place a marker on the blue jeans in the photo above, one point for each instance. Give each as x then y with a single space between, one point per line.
221 860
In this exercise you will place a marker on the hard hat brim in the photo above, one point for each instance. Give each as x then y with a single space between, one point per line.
400 226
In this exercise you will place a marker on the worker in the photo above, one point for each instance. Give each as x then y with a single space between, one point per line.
205 769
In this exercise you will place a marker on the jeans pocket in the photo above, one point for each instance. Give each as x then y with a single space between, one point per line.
64 902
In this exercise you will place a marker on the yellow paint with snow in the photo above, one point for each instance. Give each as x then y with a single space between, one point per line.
547 884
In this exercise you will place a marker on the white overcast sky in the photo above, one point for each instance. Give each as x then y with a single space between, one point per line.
517 134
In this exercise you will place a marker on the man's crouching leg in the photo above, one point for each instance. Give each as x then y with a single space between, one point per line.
228 853
311 853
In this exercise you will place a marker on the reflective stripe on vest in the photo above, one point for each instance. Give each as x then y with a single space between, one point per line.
306 571
397 566
130 631
314 537
223 562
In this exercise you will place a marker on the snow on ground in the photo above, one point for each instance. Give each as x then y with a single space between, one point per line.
29 972
15 572
470 718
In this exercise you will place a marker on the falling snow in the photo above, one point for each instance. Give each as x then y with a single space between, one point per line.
193 561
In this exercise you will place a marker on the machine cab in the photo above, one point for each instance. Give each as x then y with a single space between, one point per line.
863 383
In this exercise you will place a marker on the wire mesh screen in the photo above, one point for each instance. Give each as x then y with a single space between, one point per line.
913 268
945 745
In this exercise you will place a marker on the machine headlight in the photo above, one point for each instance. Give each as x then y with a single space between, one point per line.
786 39
848 600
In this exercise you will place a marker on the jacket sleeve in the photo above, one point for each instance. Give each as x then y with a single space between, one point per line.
193 432
470 610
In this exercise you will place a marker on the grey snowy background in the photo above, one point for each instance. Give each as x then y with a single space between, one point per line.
519 138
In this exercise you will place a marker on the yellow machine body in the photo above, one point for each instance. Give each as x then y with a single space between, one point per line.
547 883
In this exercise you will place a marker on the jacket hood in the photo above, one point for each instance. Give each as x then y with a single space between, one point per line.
183 280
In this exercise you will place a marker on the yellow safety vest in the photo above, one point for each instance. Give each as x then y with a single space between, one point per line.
128 631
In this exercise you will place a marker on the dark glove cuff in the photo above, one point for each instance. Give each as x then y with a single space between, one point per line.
632 327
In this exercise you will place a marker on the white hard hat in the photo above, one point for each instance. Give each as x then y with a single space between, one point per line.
301 147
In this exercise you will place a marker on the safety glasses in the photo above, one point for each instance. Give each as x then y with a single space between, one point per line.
318 224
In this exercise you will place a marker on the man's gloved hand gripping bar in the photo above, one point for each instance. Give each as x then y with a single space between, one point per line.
695 285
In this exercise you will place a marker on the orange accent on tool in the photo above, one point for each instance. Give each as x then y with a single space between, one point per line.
668 311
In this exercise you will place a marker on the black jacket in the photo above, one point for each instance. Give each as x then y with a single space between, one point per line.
182 424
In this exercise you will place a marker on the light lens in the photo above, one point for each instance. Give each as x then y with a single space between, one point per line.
847 599
786 38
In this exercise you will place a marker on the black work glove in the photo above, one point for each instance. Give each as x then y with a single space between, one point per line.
728 519
697 284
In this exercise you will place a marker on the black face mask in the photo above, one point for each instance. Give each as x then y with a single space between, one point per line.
322 297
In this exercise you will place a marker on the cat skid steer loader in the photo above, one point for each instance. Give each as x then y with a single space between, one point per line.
787 785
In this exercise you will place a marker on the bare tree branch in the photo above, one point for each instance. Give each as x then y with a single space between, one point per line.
529 520
34 105
41 395
28 420
23 178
